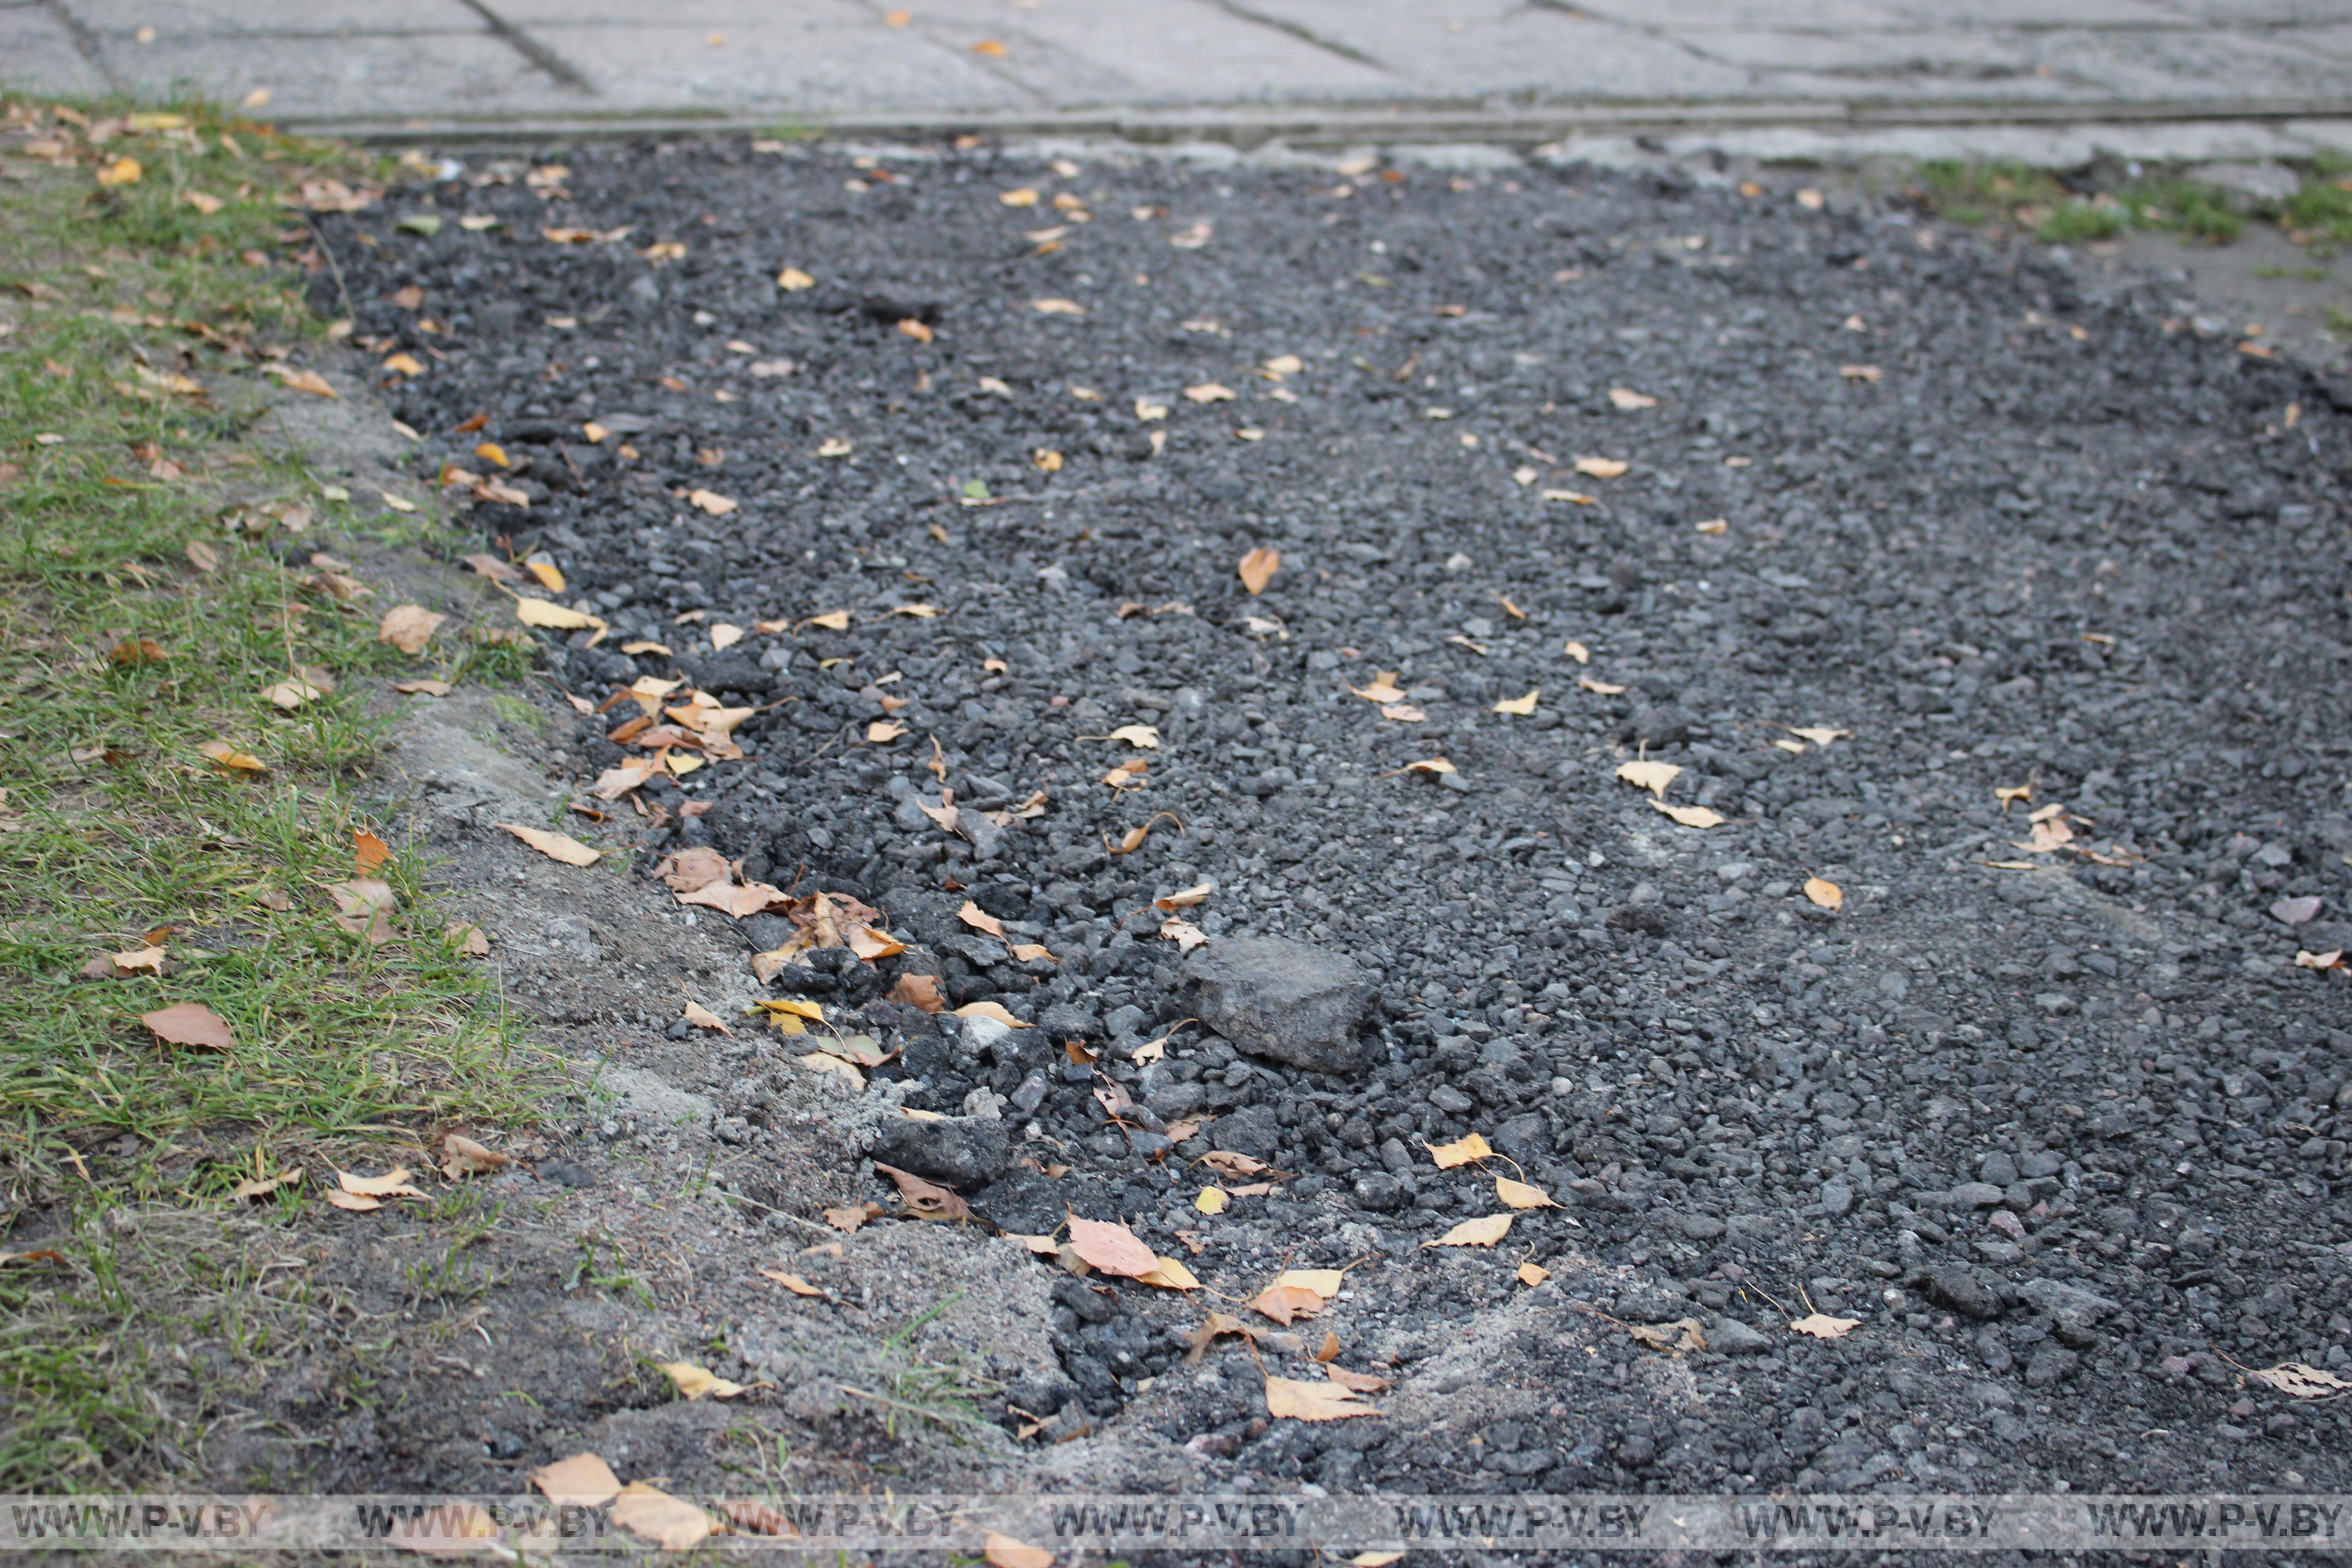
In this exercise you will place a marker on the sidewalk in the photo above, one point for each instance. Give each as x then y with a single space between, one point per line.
1241 71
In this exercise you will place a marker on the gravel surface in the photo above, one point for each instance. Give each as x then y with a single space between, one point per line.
2050 1111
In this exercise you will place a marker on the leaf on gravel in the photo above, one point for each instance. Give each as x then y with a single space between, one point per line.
1313 1401
2332 959
792 280
615 781
189 1024
972 915
1183 933
1484 1231
694 1382
1822 1326
1003 1551
921 992
852 1216
653 1515
309 381
1692 815
1521 706
1461 1152
554 617
1822 738
1522 1194
870 945
2300 1382
1533 1274
353 1202
751 898
1225 1163
1602 468
1218 1324
1213 1200
703 1017
1184 898
1169 1276
1652 776
408 627
724 636
1675 1338
1258 567
1142 736
1600 688
1824 894
1579 652
585 1480
364 908
461 1157
684 870
468 938
1383 689
929 1200
1286 1303
1859 372
1357 1382
424 688
228 758
793 1282
1111 1248
555 845
712 501
1433 766
1209 391
996 1010
1626 399
1057 307
392 1184
1375 1559
490 566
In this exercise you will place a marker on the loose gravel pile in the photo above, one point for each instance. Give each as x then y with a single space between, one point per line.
1999 628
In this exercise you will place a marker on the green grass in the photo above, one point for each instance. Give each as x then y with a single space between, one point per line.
2320 213
144 613
2032 199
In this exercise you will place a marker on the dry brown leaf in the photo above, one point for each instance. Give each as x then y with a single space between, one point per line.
364 908
972 915
1522 1194
368 851
694 1382
1111 1248
1823 894
356 1203
793 1282
1324 1282
1675 1338
1375 1559
555 845
1519 707
461 1157
203 556
1822 738
1225 1163
1603 688
850 1217
1003 1551
1692 815
1183 933
424 688
1822 1326
1533 1274
585 1480
1602 468
996 1010
1354 1381
921 992
1652 776
1625 399
1431 765
1169 1276
392 1184
1383 689
1218 1323
703 1017
1184 898
123 965
190 1024
1461 1152
671 1523
926 1200
228 758
1213 1200
1286 1303
685 871
1211 392
2299 1381
1312 1401
1258 567
409 628
469 939
261 1187
1484 1231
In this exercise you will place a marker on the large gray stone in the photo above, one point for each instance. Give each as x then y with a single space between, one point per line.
2073 1307
962 1152
1284 1000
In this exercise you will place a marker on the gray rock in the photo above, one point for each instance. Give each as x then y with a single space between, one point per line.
1733 1337
957 1150
1379 1194
1067 1021
1284 1000
1026 1201
1395 1156
1963 1292
1526 1138
2048 1365
1452 1101
1997 1169
1976 1195
2071 1306
1175 1102
1837 1197
1121 1022
1700 1226
1653 1304
1253 1132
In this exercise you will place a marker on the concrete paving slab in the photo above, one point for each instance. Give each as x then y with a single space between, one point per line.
2040 13
326 78
2184 67
1480 47
1796 16
2261 11
813 70
1984 58
172 19
38 55
2327 135
2335 40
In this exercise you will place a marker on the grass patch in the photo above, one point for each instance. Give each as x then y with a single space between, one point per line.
2320 213
2037 201
157 579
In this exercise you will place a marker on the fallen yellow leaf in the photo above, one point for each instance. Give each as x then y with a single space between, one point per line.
1824 894
1652 776
1520 706
1461 1152
1484 1231
555 845
694 1381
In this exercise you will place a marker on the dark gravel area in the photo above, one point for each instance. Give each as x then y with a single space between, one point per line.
2068 1140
